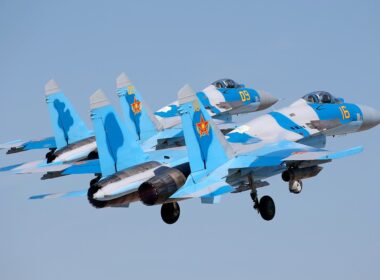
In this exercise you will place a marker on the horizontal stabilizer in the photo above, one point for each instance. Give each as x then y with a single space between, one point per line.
12 144
20 146
57 170
22 167
81 193
10 167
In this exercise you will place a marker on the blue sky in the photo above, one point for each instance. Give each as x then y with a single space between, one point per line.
288 48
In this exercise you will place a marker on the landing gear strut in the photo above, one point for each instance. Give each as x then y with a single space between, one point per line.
265 207
50 156
170 212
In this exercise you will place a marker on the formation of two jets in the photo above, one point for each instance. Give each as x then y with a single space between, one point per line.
191 148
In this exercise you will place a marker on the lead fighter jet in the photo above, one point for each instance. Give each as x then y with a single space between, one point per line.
289 142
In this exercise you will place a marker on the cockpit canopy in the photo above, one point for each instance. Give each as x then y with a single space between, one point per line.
227 83
320 97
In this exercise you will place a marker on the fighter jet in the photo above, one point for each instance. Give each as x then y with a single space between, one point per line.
289 142
74 142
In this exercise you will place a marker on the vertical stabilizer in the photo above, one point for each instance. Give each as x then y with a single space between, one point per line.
138 116
206 145
67 125
117 148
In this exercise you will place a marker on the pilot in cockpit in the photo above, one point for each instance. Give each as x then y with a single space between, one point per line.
226 83
320 97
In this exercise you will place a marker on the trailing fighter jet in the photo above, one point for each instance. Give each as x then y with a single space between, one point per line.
289 142
74 142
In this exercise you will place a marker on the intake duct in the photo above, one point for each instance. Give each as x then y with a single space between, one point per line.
300 173
165 183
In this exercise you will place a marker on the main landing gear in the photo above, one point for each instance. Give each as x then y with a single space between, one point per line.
295 186
170 212
265 207
94 187
50 156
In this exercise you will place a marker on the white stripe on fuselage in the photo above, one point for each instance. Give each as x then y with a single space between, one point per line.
215 97
126 185
76 153
267 129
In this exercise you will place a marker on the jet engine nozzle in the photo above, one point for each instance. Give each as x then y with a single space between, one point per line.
160 187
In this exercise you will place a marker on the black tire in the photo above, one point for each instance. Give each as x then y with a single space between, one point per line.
90 196
94 181
170 212
50 156
267 208
93 155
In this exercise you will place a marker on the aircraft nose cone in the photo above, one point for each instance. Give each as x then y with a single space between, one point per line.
371 117
266 100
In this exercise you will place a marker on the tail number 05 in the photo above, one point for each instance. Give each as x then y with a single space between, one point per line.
345 113
244 95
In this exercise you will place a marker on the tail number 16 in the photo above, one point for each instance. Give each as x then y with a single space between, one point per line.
345 113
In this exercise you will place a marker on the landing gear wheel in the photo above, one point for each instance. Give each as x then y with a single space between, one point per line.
295 186
94 181
93 155
50 156
90 196
170 212
267 208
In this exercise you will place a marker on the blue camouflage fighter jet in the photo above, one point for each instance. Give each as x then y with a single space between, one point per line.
73 141
289 142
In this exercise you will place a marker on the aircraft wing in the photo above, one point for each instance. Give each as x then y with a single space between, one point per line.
209 190
20 146
273 155
318 157
288 152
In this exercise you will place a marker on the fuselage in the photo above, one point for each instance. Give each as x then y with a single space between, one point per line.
300 121
77 151
303 121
